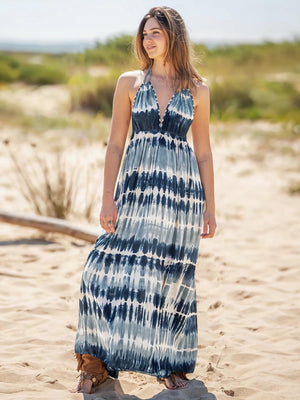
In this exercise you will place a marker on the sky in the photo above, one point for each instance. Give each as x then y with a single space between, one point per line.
89 20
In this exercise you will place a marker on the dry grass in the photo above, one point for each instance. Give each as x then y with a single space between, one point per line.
294 188
50 184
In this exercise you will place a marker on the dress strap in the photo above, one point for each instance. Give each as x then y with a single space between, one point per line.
148 74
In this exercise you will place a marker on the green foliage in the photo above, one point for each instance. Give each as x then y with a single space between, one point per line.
7 73
253 81
246 80
278 97
93 94
268 55
41 74
229 99
115 51
9 60
11 69
274 101
8 68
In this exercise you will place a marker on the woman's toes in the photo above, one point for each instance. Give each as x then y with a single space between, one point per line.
179 382
174 382
170 383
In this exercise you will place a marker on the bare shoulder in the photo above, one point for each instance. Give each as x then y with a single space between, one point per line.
130 77
130 81
201 93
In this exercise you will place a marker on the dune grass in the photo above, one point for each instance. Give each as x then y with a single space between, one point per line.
51 185
246 81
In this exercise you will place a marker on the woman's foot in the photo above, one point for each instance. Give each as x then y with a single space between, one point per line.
179 381
174 381
88 381
85 386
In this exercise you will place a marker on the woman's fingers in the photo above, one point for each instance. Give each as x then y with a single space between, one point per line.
108 223
211 231
111 225
108 216
205 228
204 233
209 227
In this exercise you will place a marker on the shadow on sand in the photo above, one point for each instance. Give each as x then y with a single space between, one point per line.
112 390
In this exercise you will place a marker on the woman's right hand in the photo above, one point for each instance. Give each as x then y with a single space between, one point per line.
108 213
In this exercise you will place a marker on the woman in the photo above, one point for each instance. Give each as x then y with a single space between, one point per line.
137 309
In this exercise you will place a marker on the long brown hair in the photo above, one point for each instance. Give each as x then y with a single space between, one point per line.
178 51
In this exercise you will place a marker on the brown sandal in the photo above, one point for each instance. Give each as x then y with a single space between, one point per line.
87 378
87 382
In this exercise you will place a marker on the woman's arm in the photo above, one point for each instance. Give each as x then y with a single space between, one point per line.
202 150
115 148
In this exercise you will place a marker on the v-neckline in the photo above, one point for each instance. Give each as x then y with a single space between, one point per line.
161 120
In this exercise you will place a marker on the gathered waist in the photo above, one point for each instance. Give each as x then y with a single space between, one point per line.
156 133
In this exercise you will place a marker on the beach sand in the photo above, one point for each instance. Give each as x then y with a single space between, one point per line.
247 286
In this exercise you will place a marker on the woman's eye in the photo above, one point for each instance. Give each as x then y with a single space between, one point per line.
156 33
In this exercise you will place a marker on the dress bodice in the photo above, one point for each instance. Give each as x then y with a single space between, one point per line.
177 117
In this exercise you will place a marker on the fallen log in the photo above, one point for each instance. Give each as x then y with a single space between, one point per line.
48 224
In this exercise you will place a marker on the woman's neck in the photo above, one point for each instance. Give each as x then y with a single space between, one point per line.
163 71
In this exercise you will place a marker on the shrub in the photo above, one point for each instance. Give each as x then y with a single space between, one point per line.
275 99
93 94
41 74
8 68
7 73
115 51
229 98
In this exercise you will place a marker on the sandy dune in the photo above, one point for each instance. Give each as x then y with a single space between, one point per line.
247 285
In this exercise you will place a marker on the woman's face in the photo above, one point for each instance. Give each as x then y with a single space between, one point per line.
154 39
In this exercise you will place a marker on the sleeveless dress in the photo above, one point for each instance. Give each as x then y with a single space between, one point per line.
137 306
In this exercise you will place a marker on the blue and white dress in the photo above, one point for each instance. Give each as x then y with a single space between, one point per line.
137 306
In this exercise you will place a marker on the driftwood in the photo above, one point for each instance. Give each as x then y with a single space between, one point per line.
50 225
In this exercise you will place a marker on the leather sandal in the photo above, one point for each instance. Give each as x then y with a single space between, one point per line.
87 382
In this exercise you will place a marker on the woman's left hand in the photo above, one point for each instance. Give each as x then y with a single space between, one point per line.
209 225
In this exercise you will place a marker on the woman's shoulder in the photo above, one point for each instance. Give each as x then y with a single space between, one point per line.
200 91
131 81
132 78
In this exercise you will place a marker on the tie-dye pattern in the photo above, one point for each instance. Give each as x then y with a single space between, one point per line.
137 306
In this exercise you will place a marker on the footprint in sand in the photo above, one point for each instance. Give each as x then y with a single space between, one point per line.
242 295
252 329
215 305
45 378
72 327
31 259
246 281
25 364
55 249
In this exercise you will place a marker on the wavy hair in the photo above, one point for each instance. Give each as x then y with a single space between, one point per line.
178 50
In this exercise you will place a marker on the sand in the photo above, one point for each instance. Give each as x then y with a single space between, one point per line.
247 285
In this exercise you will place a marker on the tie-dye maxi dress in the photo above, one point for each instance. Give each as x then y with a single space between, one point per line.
137 306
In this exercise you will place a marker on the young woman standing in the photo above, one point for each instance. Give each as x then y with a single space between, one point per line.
137 309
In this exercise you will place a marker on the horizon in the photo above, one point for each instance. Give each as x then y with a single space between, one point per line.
74 46
69 21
